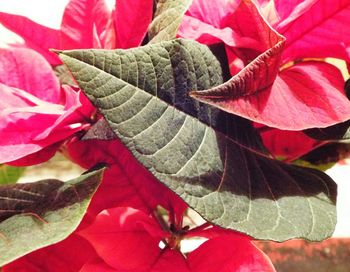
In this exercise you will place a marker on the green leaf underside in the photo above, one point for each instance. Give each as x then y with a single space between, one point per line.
10 174
35 215
167 19
193 148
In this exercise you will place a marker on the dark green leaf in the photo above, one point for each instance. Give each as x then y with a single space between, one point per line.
10 174
208 157
347 88
337 133
325 156
167 19
34 215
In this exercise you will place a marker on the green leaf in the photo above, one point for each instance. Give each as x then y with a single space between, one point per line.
167 19
10 174
210 158
64 75
38 214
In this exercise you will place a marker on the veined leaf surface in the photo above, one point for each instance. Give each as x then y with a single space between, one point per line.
208 157
38 214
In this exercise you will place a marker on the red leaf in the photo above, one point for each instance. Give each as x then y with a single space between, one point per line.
312 88
122 239
36 36
210 22
170 261
27 70
132 21
315 29
74 250
133 185
241 27
98 265
38 157
39 123
277 11
229 253
83 23
288 145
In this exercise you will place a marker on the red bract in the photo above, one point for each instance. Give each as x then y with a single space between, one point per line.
270 90
131 22
288 145
128 240
85 24
69 255
37 37
36 113
133 185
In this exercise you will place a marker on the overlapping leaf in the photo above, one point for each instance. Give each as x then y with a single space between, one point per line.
203 154
267 90
10 174
167 19
131 22
38 214
339 132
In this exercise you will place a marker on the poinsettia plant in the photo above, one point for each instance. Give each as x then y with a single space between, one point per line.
172 105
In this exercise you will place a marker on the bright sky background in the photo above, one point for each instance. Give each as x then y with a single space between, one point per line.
49 13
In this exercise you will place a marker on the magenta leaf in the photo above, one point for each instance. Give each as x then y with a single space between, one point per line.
39 123
83 24
36 107
25 69
132 21
315 29
238 24
214 21
277 11
36 36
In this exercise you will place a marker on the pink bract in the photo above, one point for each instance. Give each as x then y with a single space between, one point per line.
85 24
40 111
271 91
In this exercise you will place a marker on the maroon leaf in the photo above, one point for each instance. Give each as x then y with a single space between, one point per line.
312 88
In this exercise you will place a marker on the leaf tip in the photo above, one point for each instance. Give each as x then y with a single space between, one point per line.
56 51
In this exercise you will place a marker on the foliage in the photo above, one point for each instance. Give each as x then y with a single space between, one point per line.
188 103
